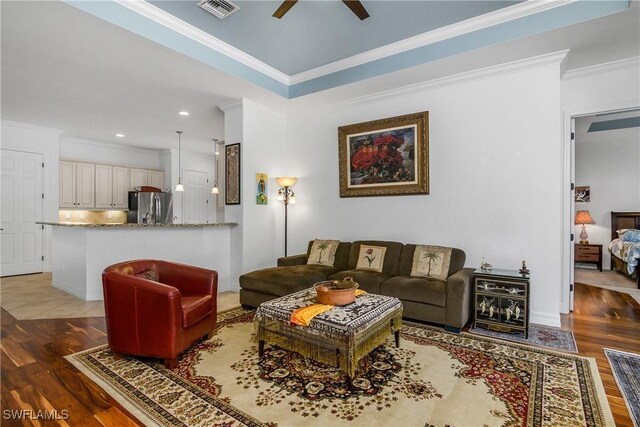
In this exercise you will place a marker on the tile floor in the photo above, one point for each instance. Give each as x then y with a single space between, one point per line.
32 297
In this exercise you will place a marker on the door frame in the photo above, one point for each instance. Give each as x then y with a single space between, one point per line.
566 297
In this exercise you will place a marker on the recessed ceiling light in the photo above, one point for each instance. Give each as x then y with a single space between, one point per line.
120 135
184 113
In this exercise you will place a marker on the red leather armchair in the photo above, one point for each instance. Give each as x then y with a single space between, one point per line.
158 308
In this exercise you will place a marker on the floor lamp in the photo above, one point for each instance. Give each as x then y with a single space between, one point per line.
286 194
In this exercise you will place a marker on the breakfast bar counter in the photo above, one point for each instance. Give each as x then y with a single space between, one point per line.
135 225
81 252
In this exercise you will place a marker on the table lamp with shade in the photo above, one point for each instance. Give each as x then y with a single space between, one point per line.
582 218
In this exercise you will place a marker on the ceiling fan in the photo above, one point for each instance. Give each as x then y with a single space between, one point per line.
355 6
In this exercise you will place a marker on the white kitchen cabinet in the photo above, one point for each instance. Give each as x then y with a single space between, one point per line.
111 187
137 178
67 185
120 187
77 185
155 178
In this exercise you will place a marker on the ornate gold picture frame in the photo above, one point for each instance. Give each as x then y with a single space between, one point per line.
387 157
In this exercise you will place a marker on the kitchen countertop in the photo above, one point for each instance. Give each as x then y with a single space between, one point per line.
131 225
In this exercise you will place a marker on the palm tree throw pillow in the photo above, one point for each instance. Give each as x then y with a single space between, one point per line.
431 261
371 258
323 252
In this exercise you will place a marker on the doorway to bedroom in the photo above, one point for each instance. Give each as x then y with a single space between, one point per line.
607 179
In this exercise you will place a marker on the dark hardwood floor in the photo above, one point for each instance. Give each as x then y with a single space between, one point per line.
36 377
605 319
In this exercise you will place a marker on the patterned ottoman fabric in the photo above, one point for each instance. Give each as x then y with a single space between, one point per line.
340 336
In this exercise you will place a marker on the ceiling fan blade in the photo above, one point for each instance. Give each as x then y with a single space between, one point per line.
357 8
284 8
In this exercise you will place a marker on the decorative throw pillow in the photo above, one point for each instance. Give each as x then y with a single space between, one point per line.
150 274
431 261
371 258
629 235
323 252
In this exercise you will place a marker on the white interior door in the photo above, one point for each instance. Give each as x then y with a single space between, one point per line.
21 237
196 197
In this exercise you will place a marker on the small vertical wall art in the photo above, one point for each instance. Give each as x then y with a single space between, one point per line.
261 189
232 174
583 194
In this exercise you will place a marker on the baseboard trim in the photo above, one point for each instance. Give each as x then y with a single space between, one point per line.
547 319
69 290
228 287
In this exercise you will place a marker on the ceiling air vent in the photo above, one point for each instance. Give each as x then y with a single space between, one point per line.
219 8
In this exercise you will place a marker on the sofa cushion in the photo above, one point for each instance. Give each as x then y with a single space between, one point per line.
431 261
342 254
367 280
406 260
371 258
416 289
323 252
281 281
195 308
391 257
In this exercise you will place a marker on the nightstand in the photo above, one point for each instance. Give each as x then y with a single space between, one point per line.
589 254
501 301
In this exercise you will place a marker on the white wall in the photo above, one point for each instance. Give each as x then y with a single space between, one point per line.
233 132
608 162
46 141
258 240
103 152
262 152
495 167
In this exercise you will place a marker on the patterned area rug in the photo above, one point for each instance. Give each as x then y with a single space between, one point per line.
539 335
626 371
435 378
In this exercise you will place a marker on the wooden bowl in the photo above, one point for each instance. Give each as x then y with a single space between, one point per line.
336 292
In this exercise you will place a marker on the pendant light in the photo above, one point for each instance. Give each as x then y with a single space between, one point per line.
179 187
215 189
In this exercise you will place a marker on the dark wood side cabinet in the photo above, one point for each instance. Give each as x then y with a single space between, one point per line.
590 254
501 301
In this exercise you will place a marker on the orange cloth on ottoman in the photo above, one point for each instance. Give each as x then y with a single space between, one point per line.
303 315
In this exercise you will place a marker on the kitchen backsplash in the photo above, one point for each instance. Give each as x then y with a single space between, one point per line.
92 217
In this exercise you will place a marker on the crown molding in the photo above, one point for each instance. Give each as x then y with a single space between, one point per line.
32 127
460 28
450 31
234 104
555 58
607 67
175 24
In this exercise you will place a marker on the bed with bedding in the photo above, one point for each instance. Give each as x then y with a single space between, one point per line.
625 244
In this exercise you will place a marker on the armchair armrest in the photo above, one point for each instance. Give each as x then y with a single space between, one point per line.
292 260
189 280
459 298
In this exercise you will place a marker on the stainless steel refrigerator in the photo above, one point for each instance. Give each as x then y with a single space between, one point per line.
150 207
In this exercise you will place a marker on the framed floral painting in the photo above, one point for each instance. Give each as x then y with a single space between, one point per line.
386 157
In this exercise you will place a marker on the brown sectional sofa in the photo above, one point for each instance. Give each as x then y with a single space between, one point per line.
444 302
